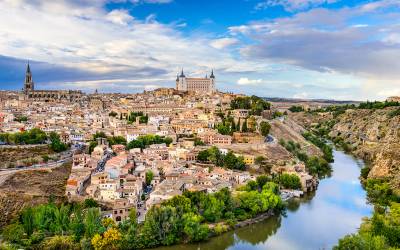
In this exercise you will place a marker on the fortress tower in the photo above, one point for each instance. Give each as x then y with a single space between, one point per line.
199 85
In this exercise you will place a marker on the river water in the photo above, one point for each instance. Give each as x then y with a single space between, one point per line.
315 221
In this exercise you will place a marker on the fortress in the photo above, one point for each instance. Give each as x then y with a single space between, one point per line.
29 92
198 85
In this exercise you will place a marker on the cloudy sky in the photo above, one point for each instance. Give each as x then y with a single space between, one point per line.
336 49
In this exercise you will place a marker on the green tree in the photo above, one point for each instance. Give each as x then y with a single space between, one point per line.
203 156
290 181
265 127
92 222
193 229
149 177
361 242
244 126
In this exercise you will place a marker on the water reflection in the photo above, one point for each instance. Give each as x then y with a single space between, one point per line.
315 221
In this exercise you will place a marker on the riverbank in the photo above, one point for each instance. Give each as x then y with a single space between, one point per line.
315 221
257 219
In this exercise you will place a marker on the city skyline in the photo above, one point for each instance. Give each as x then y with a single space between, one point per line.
330 49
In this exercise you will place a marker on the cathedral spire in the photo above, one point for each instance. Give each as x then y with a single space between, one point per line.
28 69
212 74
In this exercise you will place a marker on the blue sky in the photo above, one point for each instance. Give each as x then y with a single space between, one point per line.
336 49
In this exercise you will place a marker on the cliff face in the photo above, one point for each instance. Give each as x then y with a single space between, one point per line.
371 135
374 136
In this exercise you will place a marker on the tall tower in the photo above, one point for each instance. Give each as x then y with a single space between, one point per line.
212 79
181 82
28 85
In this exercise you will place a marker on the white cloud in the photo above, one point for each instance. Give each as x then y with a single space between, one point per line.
223 42
121 17
87 38
293 5
247 81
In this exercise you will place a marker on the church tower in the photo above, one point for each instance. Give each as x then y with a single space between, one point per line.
181 82
28 85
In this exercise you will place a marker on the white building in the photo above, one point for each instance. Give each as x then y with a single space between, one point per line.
198 85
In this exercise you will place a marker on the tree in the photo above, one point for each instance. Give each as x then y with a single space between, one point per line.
262 180
230 160
203 156
215 156
361 242
244 126
90 202
56 144
162 226
265 127
149 177
212 208
290 181
92 222
116 140
193 229
259 160
110 239
295 109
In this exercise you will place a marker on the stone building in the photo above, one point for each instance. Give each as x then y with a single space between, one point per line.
204 85
29 92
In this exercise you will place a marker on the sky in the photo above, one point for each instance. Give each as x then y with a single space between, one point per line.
331 49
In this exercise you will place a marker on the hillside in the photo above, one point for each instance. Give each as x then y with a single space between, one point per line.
31 187
371 134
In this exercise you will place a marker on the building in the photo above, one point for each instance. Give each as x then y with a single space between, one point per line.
196 85
29 92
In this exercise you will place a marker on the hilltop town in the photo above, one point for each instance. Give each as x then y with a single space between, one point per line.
138 150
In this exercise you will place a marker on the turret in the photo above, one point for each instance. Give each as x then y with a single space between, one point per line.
212 74
182 75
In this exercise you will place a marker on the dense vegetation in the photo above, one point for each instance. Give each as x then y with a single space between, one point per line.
213 155
340 109
142 118
145 140
290 181
184 218
317 141
228 125
315 165
254 103
21 118
296 109
382 231
33 136
56 144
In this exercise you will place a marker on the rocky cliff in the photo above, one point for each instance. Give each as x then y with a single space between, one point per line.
375 136
370 134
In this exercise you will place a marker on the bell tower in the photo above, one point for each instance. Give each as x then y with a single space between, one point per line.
28 85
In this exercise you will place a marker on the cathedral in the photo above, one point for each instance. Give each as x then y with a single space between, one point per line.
29 92
198 85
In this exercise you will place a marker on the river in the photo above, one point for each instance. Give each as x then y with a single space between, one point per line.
315 221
